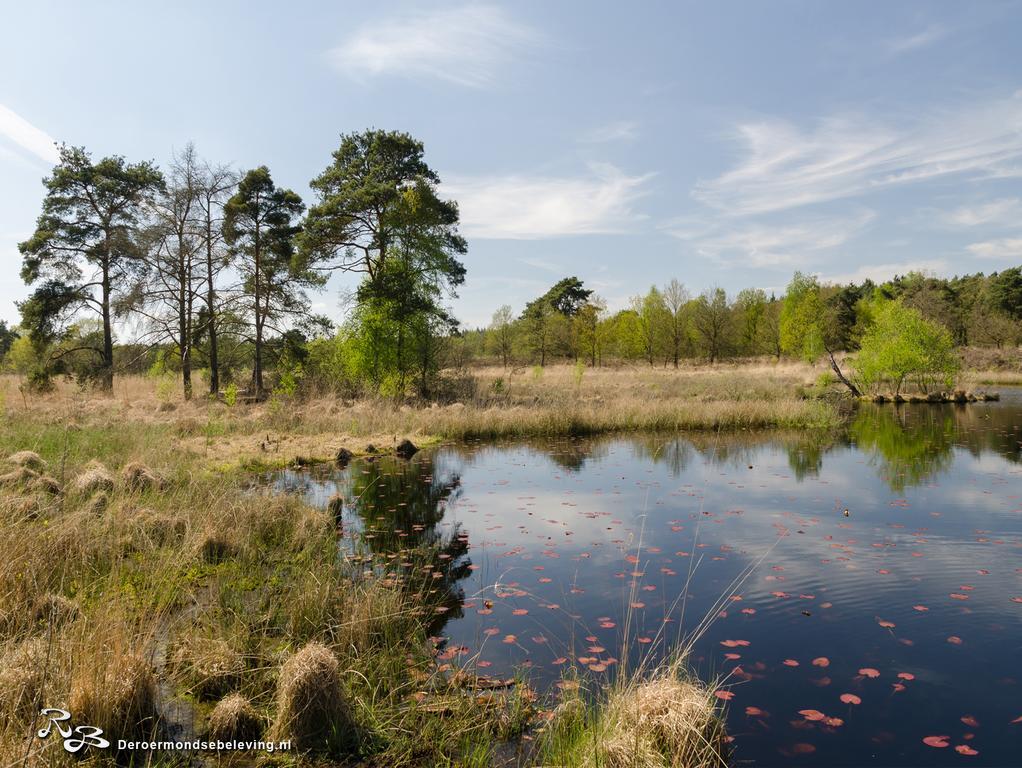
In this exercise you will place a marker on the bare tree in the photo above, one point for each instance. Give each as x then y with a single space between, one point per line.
676 296
168 287
215 185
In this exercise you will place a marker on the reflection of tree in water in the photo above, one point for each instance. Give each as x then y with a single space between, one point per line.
674 452
806 452
401 505
571 454
911 445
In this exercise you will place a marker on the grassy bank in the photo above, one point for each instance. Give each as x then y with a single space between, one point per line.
152 594
557 400
149 596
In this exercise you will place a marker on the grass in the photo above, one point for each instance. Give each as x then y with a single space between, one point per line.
193 591
142 577
502 403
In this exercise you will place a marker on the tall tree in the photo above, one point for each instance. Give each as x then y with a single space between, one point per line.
502 329
171 281
711 319
85 249
260 224
377 191
588 330
215 183
750 306
379 213
676 297
652 315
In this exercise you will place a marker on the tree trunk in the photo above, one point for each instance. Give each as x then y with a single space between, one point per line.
837 372
257 366
214 363
107 376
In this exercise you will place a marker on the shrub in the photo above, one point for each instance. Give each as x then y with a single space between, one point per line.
901 345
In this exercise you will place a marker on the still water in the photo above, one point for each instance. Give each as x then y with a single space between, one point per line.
888 636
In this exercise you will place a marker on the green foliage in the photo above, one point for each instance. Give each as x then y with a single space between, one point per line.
713 323
7 338
231 395
802 319
84 250
379 213
901 346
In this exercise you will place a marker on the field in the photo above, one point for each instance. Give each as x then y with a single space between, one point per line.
557 400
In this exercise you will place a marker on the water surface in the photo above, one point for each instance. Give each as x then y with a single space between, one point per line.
544 554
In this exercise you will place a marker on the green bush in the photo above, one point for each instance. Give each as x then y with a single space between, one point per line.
902 346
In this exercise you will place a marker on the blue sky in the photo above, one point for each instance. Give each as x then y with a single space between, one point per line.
720 143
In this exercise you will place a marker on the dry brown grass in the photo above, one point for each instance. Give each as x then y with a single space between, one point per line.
664 720
209 666
311 708
556 400
95 477
234 718
661 723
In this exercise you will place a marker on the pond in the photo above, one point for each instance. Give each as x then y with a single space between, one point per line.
857 593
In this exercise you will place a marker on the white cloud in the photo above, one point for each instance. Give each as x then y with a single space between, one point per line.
535 207
17 129
772 245
1003 248
879 273
463 45
928 36
785 166
622 130
1002 212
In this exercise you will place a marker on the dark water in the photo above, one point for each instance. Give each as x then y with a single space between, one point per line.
543 554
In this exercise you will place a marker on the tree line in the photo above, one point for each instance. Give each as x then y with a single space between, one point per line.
202 266
667 324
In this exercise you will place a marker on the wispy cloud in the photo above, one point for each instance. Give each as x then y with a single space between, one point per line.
535 207
775 244
1001 248
464 45
621 130
1005 211
879 273
18 130
785 166
932 34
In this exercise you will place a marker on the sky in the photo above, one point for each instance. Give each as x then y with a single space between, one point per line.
723 144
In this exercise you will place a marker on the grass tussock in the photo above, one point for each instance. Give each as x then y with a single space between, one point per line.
311 708
662 720
234 719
